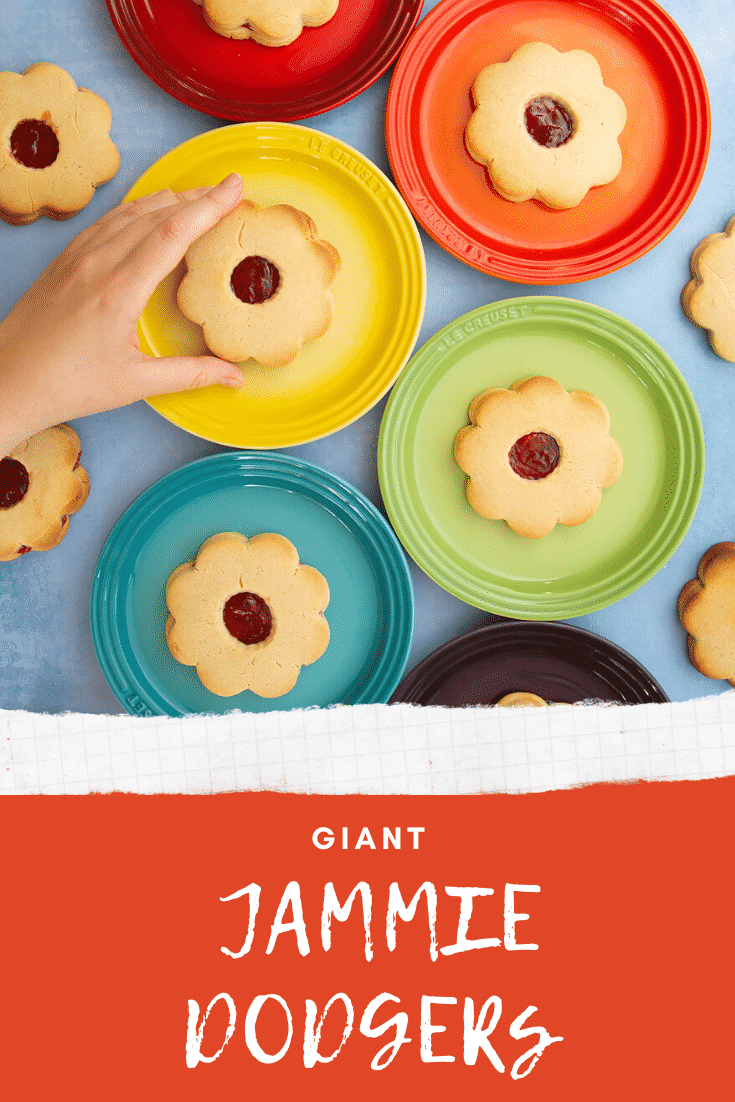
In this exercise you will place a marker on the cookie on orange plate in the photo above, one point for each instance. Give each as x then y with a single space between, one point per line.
41 485
545 125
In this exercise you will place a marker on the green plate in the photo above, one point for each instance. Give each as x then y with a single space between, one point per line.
642 518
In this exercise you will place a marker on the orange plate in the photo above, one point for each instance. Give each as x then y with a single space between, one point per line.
643 56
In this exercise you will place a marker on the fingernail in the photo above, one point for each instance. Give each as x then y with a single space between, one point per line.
230 183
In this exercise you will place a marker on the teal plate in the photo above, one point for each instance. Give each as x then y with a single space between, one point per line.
642 518
335 529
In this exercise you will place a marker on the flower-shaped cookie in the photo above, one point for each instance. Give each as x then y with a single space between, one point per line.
709 297
258 284
41 484
537 455
521 700
269 22
707 613
545 125
55 145
247 614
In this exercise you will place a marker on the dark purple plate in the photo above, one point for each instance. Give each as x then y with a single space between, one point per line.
559 662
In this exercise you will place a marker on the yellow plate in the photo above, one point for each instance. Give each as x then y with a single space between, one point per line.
379 293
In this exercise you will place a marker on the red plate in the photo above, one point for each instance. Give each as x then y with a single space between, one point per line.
643 56
241 80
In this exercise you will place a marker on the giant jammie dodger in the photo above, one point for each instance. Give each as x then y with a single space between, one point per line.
55 145
259 283
537 455
41 485
707 613
247 614
269 22
545 125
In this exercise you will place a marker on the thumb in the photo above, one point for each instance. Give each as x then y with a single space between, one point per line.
172 374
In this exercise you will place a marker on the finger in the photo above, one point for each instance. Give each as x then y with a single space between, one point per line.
113 219
172 374
106 228
162 249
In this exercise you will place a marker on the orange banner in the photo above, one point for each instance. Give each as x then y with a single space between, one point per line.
567 945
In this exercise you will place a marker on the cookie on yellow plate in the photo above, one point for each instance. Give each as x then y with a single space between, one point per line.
259 283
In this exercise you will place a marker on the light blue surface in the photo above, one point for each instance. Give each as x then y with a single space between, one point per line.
47 660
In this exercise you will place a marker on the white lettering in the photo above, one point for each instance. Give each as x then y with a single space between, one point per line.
427 1029
194 1036
399 1021
291 895
251 1039
312 1036
462 945
332 907
396 906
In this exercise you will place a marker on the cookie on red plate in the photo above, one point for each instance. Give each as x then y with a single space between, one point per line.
269 22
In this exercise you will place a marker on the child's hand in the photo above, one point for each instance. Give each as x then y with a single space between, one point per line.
69 347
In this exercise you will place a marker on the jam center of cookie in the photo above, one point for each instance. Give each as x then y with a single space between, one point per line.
548 122
534 455
34 144
255 280
13 482
248 618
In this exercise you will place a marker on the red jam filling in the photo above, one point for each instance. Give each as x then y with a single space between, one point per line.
548 122
78 461
534 455
13 482
255 280
34 144
248 618
23 550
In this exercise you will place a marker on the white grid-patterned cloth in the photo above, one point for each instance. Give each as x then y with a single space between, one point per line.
377 749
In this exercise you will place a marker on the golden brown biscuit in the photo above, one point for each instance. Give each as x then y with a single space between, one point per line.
41 484
545 126
707 613
537 455
258 284
247 614
709 297
269 22
521 700
55 145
